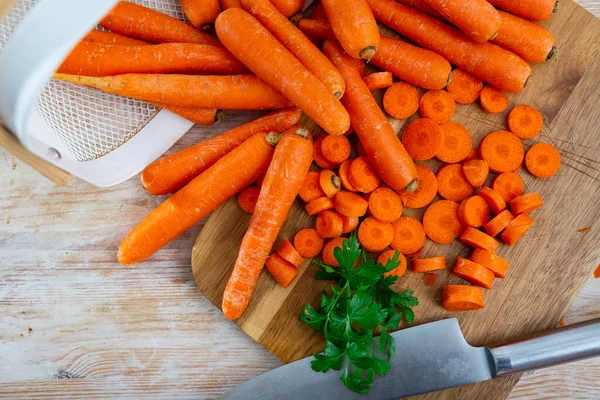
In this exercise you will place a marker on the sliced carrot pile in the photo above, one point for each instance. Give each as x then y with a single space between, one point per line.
327 255
350 204
409 235
516 229
349 224
438 105
543 160
423 139
525 121
425 192
247 198
429 279
311 188
398 271
290 254
508 185
318 205
497 224
318 156
473 155
283 272
374 235
457 143
308 243
525 203
452 183
343 173
330 183
441 222
492 261
502 150
362 175
464 87
473 211
462 298
476 172
379 80
329 224
401 100
429 264
493 100
493 198
475 238
335 148
474 273
385 204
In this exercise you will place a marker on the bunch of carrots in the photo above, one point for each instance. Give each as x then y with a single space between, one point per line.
248 54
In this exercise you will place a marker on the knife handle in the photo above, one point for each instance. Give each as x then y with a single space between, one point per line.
558 346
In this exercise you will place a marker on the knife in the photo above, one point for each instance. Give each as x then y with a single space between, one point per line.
430 357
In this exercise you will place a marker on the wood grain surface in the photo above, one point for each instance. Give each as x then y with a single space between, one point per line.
76 324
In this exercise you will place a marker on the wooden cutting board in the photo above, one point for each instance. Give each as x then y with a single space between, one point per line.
548 266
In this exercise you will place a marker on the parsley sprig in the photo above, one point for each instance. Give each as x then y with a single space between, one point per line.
360 302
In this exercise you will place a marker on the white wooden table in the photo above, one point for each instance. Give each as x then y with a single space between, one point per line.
75 323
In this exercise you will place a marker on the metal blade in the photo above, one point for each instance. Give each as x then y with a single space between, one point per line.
428 357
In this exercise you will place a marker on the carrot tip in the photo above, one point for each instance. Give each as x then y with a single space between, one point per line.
554 54
294 19
556 7
302 132
273 138
412 186
367 53
220 116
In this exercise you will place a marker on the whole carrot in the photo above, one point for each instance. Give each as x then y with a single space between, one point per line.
297 43
144 23
200 116
255 46
285 176
234 92
201 196
169 174
95 59
535 10
98 36
288 7
354 26
201 13
383 148
487 61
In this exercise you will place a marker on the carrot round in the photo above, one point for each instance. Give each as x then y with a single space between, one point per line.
170 173
474 273
462 298
378 80
473 155
289 254
349 224
374 235
423 138
425 192
438 105
196 200
452 183
144 23
328 251
281 270
535 10
292 159
476 172
493 100
201 13
509 185
464 87
308 243
502 150
475 238
497 224
385 205
492 261
343 173
103 37
330 183
200 116
382 146
493 198
329 224
400 269
473 211
311 188
457 143
526 203
429 264
319 205
287 7
441 222
525 121
318 156
296 42
247 198
225 4
362 175
350 204
240 32
542 160
335 148
487 61
401 100
516 229
409 235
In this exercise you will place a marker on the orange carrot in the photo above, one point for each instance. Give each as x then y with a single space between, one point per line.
438 105
462 298
476 172
476 18
385 205
475 238
319 205
343 173
289 254
473 155
516 229
452 183
409 235
170 173
535 10
336 149
429 264
542 160
247 198
297 43
240 32
473 211
584 230
423 139
422 6
196 200
493 262
281 270
474 273
98 36
378 80
330 183
493 198
597 272
349 224
502 150
525 121
457 143
497 224
311 188
329 224
350 204
144 23
286 7
327 255
308 243
486 61
464 87
401 100
429 279
526 203
441 222
201 13
225 4
389 158
374 235
319 158
493 100
425 192
362 176
292 159
235 92
400 269
200 116
508 185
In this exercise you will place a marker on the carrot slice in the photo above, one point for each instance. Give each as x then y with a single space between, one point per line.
330 183
493 100
423 139
343 173
378 80
401 100
502 150
385 204
329 224
441 222
452 183
497 224
327 255
374 235
311 188
247 198
494 200
425 192
290 254
318 205
509 185
438 105
476 172
349 224
464 87
462 298
526 203
281 270
493 262
350 204
335 149
429 279
475 238
516 229
597 272
525 121
362 175
409 235
386 255
474 273
543 160
429 264
308 243
457 143
318 156
473 155
473 211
